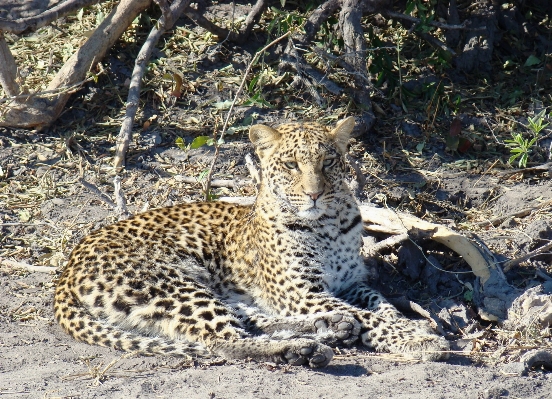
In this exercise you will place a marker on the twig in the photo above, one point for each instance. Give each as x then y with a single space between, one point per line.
97 191
26 266
524 212
165 22
235 183
514 262
121 208
417 21
225 126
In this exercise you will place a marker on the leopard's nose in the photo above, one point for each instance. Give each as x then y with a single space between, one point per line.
315 196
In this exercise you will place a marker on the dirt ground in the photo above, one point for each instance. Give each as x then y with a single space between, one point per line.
45 210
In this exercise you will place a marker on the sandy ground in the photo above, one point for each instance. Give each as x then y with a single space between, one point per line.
37 360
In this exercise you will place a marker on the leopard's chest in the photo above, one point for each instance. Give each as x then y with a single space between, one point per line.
330 251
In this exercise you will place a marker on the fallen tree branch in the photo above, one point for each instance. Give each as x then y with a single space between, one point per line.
165 22
389 242
8 70
38 21
25 266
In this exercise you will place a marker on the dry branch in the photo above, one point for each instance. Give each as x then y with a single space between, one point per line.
8 70
165 22
25 266
38 21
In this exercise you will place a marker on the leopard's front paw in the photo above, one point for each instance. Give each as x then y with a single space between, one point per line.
307 352
334 327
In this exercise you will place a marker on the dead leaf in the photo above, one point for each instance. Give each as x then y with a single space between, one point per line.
177 92
455 127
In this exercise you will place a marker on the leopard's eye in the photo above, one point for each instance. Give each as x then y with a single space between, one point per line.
329 162
290 165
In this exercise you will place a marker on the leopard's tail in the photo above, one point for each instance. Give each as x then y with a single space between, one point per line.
78 323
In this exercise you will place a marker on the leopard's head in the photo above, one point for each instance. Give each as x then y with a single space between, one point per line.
302 165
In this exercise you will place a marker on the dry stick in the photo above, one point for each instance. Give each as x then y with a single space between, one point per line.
49 93
97 191
33 23
121 208
21 265
514 262
8 69
389 242
217 147
235 183
165 22
524 212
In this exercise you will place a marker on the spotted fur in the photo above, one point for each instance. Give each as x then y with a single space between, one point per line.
281 280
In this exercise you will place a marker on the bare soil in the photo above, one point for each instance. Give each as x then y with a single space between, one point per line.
45 211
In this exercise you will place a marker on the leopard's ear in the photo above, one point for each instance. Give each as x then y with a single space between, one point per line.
263 137
342 132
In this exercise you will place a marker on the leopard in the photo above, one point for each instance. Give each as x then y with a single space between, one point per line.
281 280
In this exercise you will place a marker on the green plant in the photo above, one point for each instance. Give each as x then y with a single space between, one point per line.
520 147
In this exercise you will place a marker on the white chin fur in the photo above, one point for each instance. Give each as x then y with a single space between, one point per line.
311 213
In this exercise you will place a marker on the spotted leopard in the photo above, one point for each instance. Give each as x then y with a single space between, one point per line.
280 281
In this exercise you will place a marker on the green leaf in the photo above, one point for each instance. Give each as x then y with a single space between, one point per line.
523 161
420 146
513 158
199 141
532 60
409 7
180 143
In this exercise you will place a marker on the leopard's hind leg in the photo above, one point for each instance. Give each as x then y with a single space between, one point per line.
164 302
